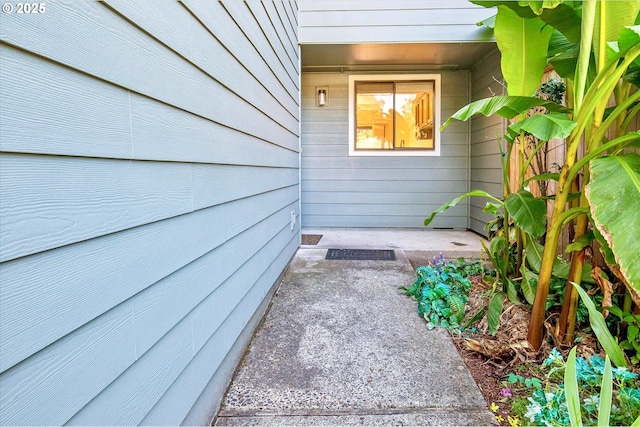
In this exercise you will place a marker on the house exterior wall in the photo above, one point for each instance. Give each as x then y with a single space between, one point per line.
397 21
384 191
486 132
149 168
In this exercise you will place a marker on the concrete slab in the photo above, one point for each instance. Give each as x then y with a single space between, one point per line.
419 244
408 239
342 345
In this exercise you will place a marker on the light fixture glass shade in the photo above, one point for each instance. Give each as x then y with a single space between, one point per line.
322 97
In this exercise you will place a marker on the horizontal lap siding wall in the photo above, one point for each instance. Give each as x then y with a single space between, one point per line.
391 21
149 166
486 133
343 191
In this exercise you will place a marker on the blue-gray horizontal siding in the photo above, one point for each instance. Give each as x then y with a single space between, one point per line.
149 165
486 132
343 191
384 21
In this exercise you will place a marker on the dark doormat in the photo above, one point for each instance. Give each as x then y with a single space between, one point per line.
361 254
311 239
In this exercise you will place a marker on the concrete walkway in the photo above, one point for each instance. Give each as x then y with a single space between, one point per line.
342 345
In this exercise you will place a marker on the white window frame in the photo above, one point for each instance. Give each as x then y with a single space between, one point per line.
394 78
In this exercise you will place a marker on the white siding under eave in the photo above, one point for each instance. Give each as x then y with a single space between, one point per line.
391 21
486 140
149 165
343 191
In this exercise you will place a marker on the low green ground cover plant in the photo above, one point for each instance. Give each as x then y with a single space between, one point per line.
543 402
442 289
548 406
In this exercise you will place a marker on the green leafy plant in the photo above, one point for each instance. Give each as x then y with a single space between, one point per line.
631 339
591 392
578 377
442 290
600 329
515 390
514 379
556 297
536 155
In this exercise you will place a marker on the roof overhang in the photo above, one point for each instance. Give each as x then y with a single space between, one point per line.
393 57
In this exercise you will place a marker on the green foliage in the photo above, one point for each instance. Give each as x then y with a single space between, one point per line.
497 247
522 43
501 256
599 327
547 405
571 389
442 291
628 399
534 252
552 90
528 212
452 203
504 106
466 269
545 126
531 383
631 339
494 312
556 298
615 188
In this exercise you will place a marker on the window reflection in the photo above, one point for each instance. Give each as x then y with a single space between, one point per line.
394 115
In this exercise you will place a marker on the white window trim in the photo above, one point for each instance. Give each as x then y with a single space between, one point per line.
394 77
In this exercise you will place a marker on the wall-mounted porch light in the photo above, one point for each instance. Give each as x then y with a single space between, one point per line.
322 96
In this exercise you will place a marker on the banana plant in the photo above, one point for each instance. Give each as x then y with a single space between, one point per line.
596 47
594 62
593 86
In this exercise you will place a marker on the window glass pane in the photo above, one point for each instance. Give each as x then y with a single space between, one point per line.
374 115
414 115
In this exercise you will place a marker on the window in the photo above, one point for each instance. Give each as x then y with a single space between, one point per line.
394 115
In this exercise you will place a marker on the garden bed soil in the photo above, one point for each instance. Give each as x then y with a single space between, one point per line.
491 358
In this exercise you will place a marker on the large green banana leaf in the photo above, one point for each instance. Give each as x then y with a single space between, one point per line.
629 37
614 197
545 126
529 213
523 11
565 19
452 203
504 106
611 18
523 44
562 16
563 55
